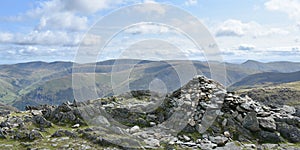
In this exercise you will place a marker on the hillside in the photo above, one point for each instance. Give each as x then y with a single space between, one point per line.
280 66
199 115
37 83
266 78
279 94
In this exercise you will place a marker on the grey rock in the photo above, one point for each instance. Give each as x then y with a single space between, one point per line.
76 125
152 142
227 134
267 123
269 137
269 146
240 118
5 124
63 133
134 129
219 140
34 135
2 135
224 122
288 109
249 146
152 124
36 112
186 138
246 106
41 121
189 144
229 146
263 114
250 122
206 145
289 132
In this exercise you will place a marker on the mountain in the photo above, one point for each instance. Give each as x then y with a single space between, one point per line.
36 83
6 109
199 115
280 66
266 78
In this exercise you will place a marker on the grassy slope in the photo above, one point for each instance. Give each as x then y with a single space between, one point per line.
286 93
267 78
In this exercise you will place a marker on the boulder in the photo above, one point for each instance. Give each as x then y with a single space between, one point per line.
219 140
267 123
250 122
134 129
41 122
152 142
63 133
34 134
229 146
269 137
289 132
205 144
288 109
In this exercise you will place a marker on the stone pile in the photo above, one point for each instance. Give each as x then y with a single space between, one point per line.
199 115
220 117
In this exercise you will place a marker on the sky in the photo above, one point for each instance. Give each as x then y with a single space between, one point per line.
55 30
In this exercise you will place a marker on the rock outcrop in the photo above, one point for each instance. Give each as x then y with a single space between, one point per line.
199 115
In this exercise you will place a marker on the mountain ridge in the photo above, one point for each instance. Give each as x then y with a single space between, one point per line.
21 80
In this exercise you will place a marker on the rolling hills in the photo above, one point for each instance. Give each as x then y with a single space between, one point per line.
267 78
37 83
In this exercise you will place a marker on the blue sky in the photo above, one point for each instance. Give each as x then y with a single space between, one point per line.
52 30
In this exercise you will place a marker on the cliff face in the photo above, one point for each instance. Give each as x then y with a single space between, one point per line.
200 115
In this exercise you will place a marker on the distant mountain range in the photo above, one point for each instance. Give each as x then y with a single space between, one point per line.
267 78
36 83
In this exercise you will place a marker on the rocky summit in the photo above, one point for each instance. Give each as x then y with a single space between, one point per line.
199 115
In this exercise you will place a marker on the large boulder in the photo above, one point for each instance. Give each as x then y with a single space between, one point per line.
267 123
269 137
41 122
250 122
289 132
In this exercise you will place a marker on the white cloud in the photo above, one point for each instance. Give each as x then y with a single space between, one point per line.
246 47
298 26
6 37
90 6
64 20
290 7
91 40
191 2
234 28
238 28
41 38
152 7
150 1
147 28
68 14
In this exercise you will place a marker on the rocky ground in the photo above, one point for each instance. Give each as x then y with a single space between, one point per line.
200 115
